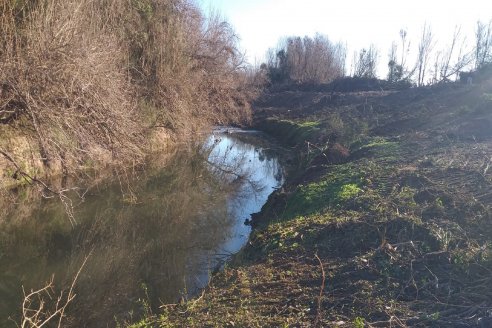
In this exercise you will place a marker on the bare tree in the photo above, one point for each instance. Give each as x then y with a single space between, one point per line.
365 62
296 58
424 51
483 43
397 59
405 46
395 70
445 65
341 55
436 67
452 59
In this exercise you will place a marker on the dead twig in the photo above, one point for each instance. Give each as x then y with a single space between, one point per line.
67 202
321 290
35 311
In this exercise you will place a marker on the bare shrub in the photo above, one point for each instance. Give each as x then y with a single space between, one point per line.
187 67
74 76
41 307
68 84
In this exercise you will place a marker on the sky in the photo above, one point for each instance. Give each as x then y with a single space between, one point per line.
357 23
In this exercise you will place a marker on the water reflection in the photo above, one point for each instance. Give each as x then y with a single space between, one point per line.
188 215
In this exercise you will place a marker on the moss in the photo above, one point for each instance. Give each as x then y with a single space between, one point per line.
309 124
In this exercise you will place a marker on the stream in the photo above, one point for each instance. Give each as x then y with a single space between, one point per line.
150 237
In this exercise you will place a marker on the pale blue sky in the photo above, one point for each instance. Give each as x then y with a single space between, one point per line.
260 23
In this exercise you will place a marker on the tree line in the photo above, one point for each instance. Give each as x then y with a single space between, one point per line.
318 60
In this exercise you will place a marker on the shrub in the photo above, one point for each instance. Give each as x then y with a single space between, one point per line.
73 71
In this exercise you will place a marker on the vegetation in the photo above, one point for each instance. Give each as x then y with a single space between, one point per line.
306 60
384 220
366 62
386 225
317 60
84 83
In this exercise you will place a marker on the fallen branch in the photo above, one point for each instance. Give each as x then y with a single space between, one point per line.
40 315
67 202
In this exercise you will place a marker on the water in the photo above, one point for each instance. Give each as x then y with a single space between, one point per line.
155 235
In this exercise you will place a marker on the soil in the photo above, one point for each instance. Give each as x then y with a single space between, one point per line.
384 220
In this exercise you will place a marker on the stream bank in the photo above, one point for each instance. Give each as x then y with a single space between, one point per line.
384 222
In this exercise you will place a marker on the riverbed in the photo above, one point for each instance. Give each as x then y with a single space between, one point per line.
149 237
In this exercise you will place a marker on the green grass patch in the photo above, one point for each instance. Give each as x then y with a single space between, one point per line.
376 147
348 191
290 132
290 235
336 188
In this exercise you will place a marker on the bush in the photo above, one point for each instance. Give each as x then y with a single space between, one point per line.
73 71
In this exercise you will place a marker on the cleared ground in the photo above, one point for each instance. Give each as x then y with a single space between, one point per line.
384 220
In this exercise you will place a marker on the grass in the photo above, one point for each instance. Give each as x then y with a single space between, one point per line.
376 146
293 133
398 229
334 189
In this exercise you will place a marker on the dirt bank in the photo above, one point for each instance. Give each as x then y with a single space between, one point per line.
383 222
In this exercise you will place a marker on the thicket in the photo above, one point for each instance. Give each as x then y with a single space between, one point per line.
87 80
306 60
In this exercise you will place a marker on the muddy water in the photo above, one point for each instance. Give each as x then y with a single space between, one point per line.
152 236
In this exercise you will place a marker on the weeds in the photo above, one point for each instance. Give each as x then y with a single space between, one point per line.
359 322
